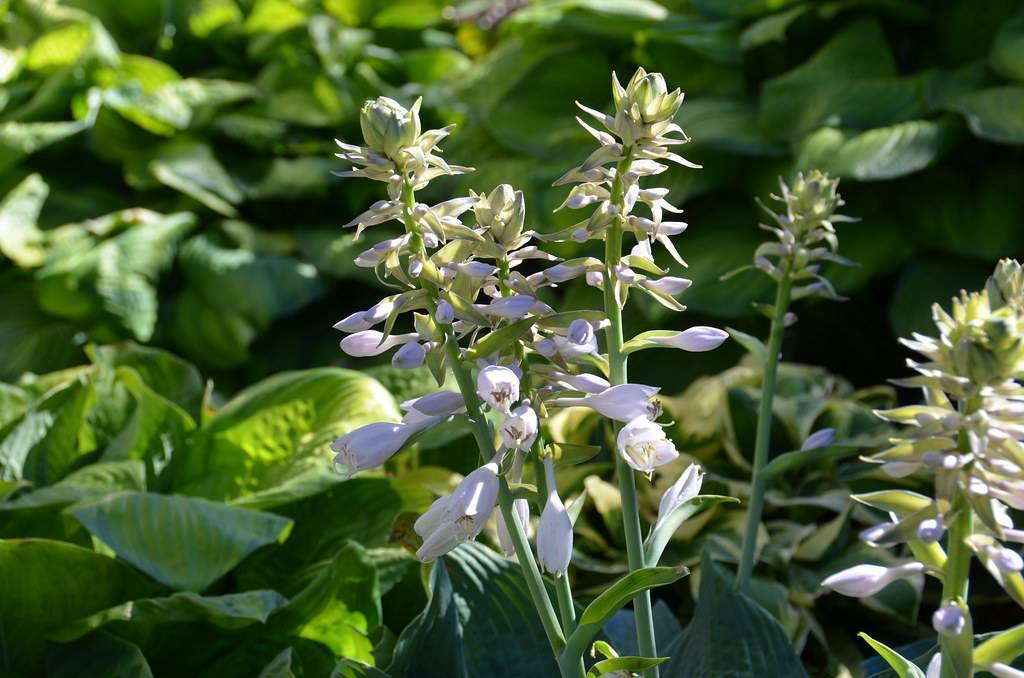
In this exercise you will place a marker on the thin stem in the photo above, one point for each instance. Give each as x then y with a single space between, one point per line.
955 581
485 441
643 615
764 429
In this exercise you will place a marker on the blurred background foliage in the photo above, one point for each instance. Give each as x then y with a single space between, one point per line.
150 148
166 173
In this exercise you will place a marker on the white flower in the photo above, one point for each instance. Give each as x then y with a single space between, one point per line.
624 402
643 445
409 357
521 508
934 669
519 429
695 339
498 387
669 285
949 620
999 670
459 516
686 487
437 404
554 534
588 383
371 445
874 533
820 438
445 313
861 581
369 343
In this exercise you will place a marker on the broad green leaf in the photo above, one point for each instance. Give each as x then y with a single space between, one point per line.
903 667
165 373
1007 55
995 114
184 542
881 153
757 644
353 668
276 430
229 611
280 666
89 481
261 288
50 583
479 621
99 654
339 606
209 335
21 241
20 139
191 168
43 445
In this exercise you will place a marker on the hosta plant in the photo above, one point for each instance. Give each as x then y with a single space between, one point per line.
966 438
461 269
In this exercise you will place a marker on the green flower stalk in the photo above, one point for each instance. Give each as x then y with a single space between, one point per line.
968 438
805 237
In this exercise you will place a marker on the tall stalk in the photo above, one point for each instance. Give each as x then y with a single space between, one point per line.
764 429
485 441
643 614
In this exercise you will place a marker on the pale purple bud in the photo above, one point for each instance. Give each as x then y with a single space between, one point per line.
514 308
445 313
436 404
588 383
415 268
949 620
686 487
820 438
409 357
644 446
997 669
521 508
368 343
560 273
355 322
862 581
498 387
554 533
1006 560
580 331
669 285
694 339
874 533
474 269
930 530
371 445
624 402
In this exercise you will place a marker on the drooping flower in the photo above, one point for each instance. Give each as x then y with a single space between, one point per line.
436 404
519 429
498 386
861 581
554 534
371 342
644 446
459 516
624 402
521 508
371 445
409 356
695 339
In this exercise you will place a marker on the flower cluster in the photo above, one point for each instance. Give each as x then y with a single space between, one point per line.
805 235
461 279
968 435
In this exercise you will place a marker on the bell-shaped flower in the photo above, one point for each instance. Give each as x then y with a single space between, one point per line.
409 356
861 581
519 429
370 446
695 339
498 387
554 534
624 402
949 620
521 508
371 342
686 487
644 446
459 516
